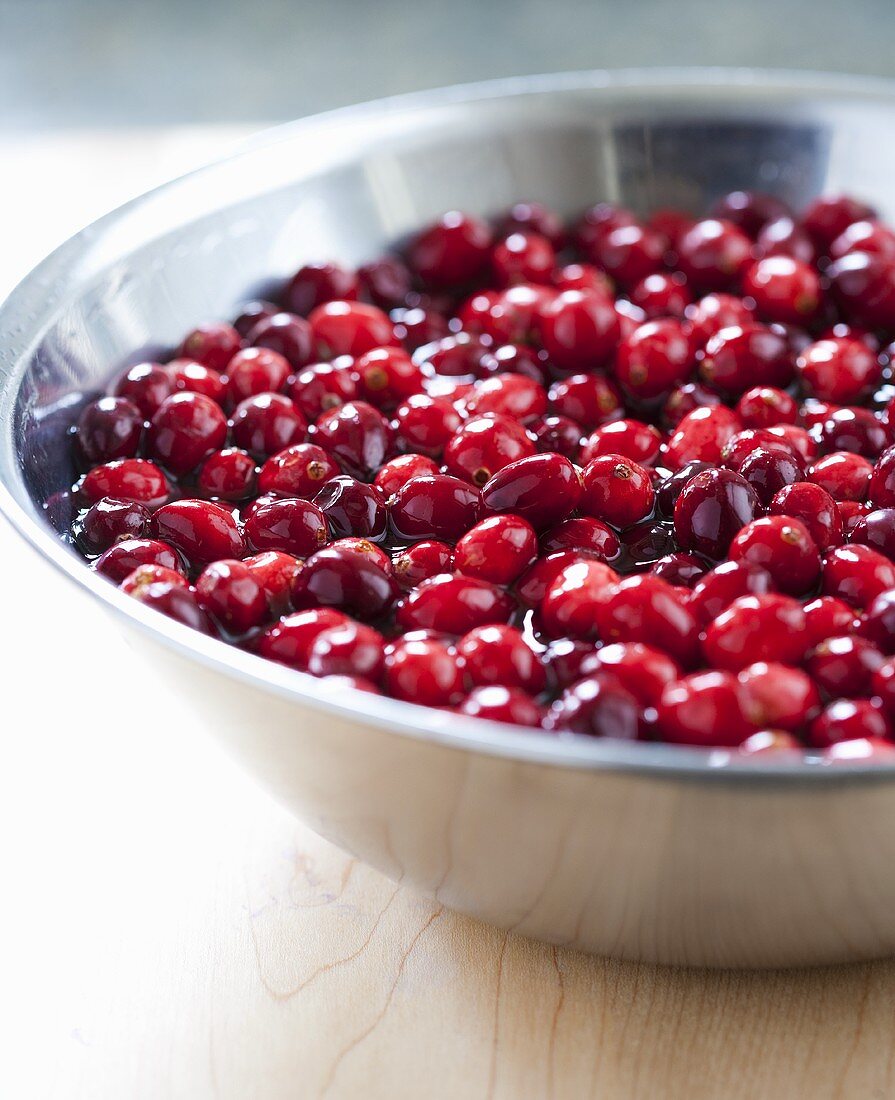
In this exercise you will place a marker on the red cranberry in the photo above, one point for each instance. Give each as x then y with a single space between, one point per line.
856 574
426 671
485 445
582 532
175 601
736 359
500 655
706 708
254 371
715 312
203 532
838 369
533 217
881 489
292 526
212 345
662 295
670 487
151 574
830 215
864 288
357 436
275 572
883 686
350 649
815 508
501 704
617 490
297 471
533 584
146 385
599 707
523 258
588 399
434 507
458 356
646 609
109 521
630 438
365 549
335 577
784 289
778 696
426 424
683 570
865 236
124 557
878 621
186 428
353 508
109 429
453 605
251 313
717 590
267 423
713 254
844 666
556 433
388 376
579 329
785 237
701 436
856 431
770 470
598 221
757 628
846 720
453 249
765 407
876 530
843 475
498 549
324 386
640 669
194 378
290 640
629 253
508 395
517 359
286 334
749 210
852 513
416 327
826 617
766 742
711 509
422 560
397 472
542 489
583 277
230 593
654 358
314 284
132 479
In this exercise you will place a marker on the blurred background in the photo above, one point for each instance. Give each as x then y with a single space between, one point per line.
79 63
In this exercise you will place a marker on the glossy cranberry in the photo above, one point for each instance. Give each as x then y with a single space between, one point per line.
146 385
425 671
713 254
843 475
838 369
498 549
228 475
124 557
847 720
757 628
712 507
701 436
785 237
499 654
316 283
275 572
108 429
881 489
883 686
706 708
856 431
523 257
863 286
682 570
365 549
769 742
768 471
485 445
579 329
670 486
599 707
251 313
387 376
629 253
616 490
717 590
288 335
826 617
175 601
736 359
416 327
203 532
254 371
151 574
765 407
350 649
108 521
581 532
357 436
267 423
645 609
797 439
453 605
290 525
778 696
232 595
783 289
654 358
335 577
298 471
878 621
830 215
662 295
212 345
433 507
815 508
508 395
193 377
132 479
583 277
852 513
640 669
589 400
290 640
324 386
398 471
421 560
533 217
186 428
502 704
715 312
543 489
868 236
426 424
856 574
749 210
353 508
844 666
632 439
517 359
876 530
457 356
453 249
556 433
596 222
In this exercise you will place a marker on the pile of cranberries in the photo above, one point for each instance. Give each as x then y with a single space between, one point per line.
624 478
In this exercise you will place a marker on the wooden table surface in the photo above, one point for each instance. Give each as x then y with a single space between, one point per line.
174 934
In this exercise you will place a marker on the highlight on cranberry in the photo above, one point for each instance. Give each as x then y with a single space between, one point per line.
619 477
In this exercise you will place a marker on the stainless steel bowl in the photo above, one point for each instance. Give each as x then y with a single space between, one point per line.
641 851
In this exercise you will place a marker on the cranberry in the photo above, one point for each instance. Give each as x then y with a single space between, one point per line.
434 507
422 560
589 400
770 470
290 640
335 577
826 617
254 371
630 438
865 236
388 376
251 313
543 489
501 704
856 574
124 557
365 549
717 590
357 436
765 407
426 424
267 423
784 289
109 429
766 742
679 569
843 475
175 601
108 521
629 253
579 329
671 486
856 431
186 428
883 686
195 378
297 471
398 471
757 628
458 356
844 666
203 532
232 595
736 359
286 334
151 574
715 312
314 284
701 436
713 254
453 605
778 696
881 489
830 215
425 671
646 609
509 395
132 479
557 433
324 386
146 385
533 217
785 237
533 584
876 530
784 547
617 490
350 649
517 359
654 358
712 507
878 621
292 526
275 572
662 295
212 345
706 708
498 549
584 533
838 369
749 210
640 669
416 327
523 258
596 222
353 508
454 249
598 706
846 720
500 655
583 277
863 286
815 508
